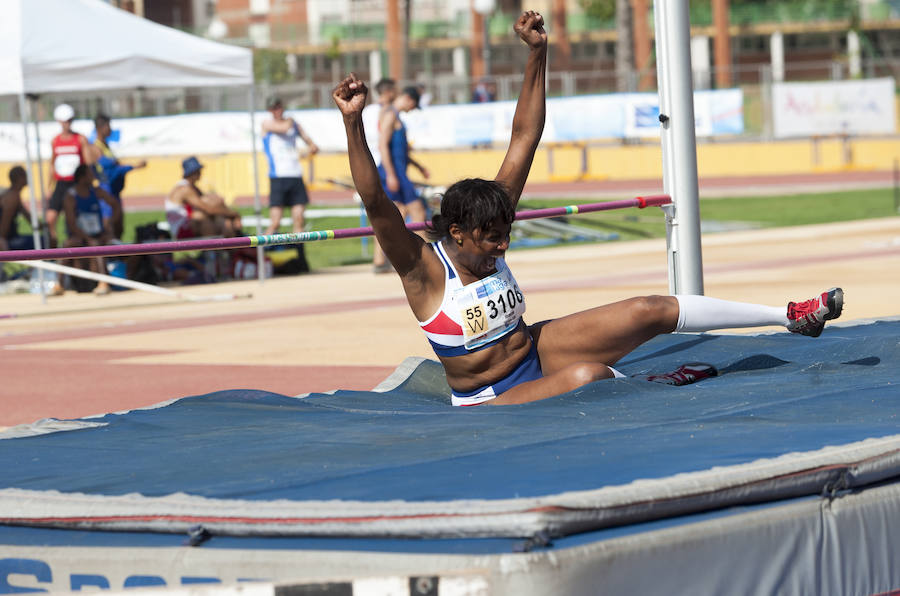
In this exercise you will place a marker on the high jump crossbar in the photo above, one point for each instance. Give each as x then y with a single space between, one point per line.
148 248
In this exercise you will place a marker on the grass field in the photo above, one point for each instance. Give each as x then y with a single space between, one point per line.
629 224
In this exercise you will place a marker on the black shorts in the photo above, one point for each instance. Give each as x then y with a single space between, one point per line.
287 192
62 187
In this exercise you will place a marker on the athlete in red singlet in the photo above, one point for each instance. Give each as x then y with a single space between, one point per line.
70 150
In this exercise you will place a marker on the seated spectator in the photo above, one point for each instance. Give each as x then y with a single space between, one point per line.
192 213
10 207
110 171
84 219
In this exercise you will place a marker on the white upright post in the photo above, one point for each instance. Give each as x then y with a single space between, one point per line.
776 49
375 67
35 228
257 207
854 55
700 61
679 144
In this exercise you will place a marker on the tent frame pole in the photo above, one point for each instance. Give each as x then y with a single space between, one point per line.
257 207
34 106
35 228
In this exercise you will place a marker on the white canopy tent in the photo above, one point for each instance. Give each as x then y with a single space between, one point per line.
58 46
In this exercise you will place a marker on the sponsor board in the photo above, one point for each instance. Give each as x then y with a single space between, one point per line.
834 108
569 119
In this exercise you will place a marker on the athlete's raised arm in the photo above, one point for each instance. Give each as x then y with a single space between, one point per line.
401 246
528 121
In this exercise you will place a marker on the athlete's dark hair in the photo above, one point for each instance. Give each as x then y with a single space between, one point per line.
17 173
385 84
81 171
473 203
100 119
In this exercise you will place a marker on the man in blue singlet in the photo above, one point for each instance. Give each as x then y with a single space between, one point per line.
395 158
110 171
372 114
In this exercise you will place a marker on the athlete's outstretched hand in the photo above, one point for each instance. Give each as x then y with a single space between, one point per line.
530 27
350 95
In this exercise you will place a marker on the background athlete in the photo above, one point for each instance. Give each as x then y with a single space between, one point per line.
469 304
286 187
395 160
69 150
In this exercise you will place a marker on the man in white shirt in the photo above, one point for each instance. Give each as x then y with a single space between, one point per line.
286 188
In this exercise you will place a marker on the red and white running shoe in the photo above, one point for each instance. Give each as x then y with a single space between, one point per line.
686 374
808 318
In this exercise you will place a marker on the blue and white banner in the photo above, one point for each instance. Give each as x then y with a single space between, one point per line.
834 107
569 119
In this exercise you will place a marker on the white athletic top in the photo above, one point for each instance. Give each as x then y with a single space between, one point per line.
282 154
476 315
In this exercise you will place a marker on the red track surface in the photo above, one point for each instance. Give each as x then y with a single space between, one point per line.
73 383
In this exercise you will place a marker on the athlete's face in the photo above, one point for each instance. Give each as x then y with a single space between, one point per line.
104 130
405 103
483 246
86 180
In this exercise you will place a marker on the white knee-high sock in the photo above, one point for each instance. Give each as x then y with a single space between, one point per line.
700 313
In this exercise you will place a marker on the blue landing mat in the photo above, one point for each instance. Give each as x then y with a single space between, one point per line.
778 394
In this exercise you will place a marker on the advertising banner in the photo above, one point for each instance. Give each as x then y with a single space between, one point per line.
861 107
569 119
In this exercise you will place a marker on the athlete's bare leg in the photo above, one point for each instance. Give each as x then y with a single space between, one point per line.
298 217
52 216
603 334
416 211
275 214
579 348
566 379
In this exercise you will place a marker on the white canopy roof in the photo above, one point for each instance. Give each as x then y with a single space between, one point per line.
84 45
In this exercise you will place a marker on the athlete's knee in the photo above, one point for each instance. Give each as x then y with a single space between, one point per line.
659 313
581 373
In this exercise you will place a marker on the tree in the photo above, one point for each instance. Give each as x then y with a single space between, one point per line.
270 66
603 10
624 46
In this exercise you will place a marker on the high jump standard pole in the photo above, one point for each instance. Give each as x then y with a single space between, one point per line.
679 145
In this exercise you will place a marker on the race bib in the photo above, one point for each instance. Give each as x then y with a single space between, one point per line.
90 223
65 164
490 308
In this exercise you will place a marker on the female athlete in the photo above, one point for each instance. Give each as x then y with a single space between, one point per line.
468 302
